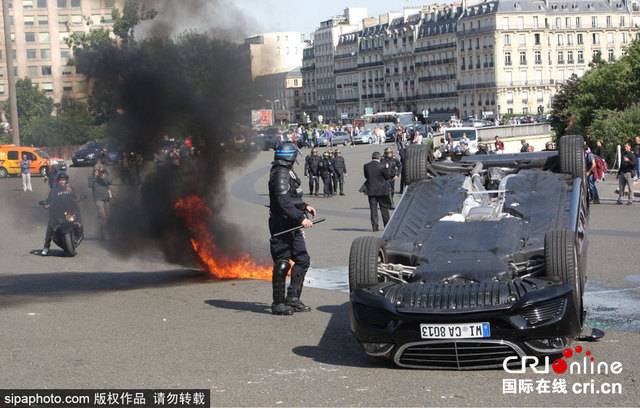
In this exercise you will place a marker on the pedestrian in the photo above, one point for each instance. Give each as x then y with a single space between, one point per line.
159 159
377 190
287 210
325 171
499 145
590 163
524 147
417 137
25 171
99 183
311 163
636 152
104 157
392 165
339 171
626 172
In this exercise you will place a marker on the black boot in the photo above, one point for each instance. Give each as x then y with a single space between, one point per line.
279 278
297 305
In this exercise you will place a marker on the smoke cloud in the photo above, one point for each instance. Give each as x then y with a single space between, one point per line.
163 90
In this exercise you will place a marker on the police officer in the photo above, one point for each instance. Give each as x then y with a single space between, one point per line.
393 166
340 171
311 171
332 185
326 171
287 210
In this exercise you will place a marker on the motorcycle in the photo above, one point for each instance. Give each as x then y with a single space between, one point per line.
68 231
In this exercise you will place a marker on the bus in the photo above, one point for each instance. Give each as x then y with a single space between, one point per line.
386 119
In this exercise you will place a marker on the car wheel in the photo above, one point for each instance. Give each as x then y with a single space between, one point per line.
561 261
365 256
344 143
571 152
416 160
3 172
43 171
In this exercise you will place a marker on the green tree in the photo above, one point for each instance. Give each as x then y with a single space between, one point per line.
615 128
32 102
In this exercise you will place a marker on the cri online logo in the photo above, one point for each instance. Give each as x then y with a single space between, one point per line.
574 365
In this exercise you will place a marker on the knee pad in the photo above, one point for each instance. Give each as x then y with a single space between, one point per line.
281 268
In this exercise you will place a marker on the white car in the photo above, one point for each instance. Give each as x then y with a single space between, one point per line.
366 136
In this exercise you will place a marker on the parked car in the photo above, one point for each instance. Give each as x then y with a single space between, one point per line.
338 138
89 153
471 269
11 155
365 137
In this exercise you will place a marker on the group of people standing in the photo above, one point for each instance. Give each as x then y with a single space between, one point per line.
331 168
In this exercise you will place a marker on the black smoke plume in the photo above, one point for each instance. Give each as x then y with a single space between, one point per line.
190 85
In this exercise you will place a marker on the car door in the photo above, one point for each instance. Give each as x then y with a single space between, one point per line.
13 161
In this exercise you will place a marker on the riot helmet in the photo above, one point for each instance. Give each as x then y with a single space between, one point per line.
314 150
326 155
286 151
388 150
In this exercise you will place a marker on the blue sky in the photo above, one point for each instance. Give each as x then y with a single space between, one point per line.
305 15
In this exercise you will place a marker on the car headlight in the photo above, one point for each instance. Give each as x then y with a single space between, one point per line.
91 155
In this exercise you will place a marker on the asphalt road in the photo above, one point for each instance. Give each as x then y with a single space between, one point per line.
102 321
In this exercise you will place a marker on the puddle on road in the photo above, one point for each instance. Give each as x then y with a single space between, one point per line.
616 309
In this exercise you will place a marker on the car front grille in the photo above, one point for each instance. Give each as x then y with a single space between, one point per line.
457 355
543 312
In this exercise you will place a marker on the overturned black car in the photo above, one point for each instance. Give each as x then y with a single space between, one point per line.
482 260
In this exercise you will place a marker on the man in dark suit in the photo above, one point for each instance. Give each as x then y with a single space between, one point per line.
376 187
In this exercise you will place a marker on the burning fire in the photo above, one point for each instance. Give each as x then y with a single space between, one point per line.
196 214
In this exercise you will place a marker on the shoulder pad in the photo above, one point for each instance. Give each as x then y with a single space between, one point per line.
281 181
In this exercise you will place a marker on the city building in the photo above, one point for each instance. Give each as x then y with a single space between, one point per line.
476 58
38 32
282 93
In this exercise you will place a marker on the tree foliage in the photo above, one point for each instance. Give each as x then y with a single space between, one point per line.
603 104
32 102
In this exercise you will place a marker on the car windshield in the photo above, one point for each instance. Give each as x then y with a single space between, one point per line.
456 134
91 146
42 154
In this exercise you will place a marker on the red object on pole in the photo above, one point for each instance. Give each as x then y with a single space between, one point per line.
11 130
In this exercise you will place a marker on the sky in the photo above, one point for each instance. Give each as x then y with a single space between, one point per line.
237 19
305 15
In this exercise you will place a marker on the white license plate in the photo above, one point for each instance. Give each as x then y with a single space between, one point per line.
79 160
455 331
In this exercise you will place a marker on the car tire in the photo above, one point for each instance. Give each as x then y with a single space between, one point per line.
415 164
561 261
69 249
571 153
3 172
364 257
370 140
344 143
43 171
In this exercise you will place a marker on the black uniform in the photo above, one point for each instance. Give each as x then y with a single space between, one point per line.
393 166
340 168
377 188
325 170
287 210
311 170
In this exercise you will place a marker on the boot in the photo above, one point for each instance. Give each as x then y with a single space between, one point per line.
278 307
296 305
341 189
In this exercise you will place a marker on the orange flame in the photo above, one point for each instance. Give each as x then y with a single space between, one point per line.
196 214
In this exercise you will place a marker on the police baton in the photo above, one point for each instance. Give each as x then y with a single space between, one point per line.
319 220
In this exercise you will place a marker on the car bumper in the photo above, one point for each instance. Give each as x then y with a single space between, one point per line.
519 321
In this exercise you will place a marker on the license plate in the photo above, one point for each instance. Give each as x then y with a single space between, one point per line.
80 160
455 331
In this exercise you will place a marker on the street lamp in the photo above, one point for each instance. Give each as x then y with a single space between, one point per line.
273 112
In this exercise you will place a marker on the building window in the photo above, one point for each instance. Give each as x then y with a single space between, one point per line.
32 72
520 23
27 4
63 20
46 70
536 39
580 57
560 39
579 39
64 53
30 37
523 58
31 54
109 4
537 57
539 96
610 55
62 3
45 54
47 86
67 86
622 21
567 22
507 40
624 38
569 39
62 37
570 57
75 3
522 39
507 58
67 70
42 3
43 38
509 97
609 21
578 22
29 21
558 22
560 57
94 4
609 38
596 38
525 97
43 21
594 22
76 19
535 21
